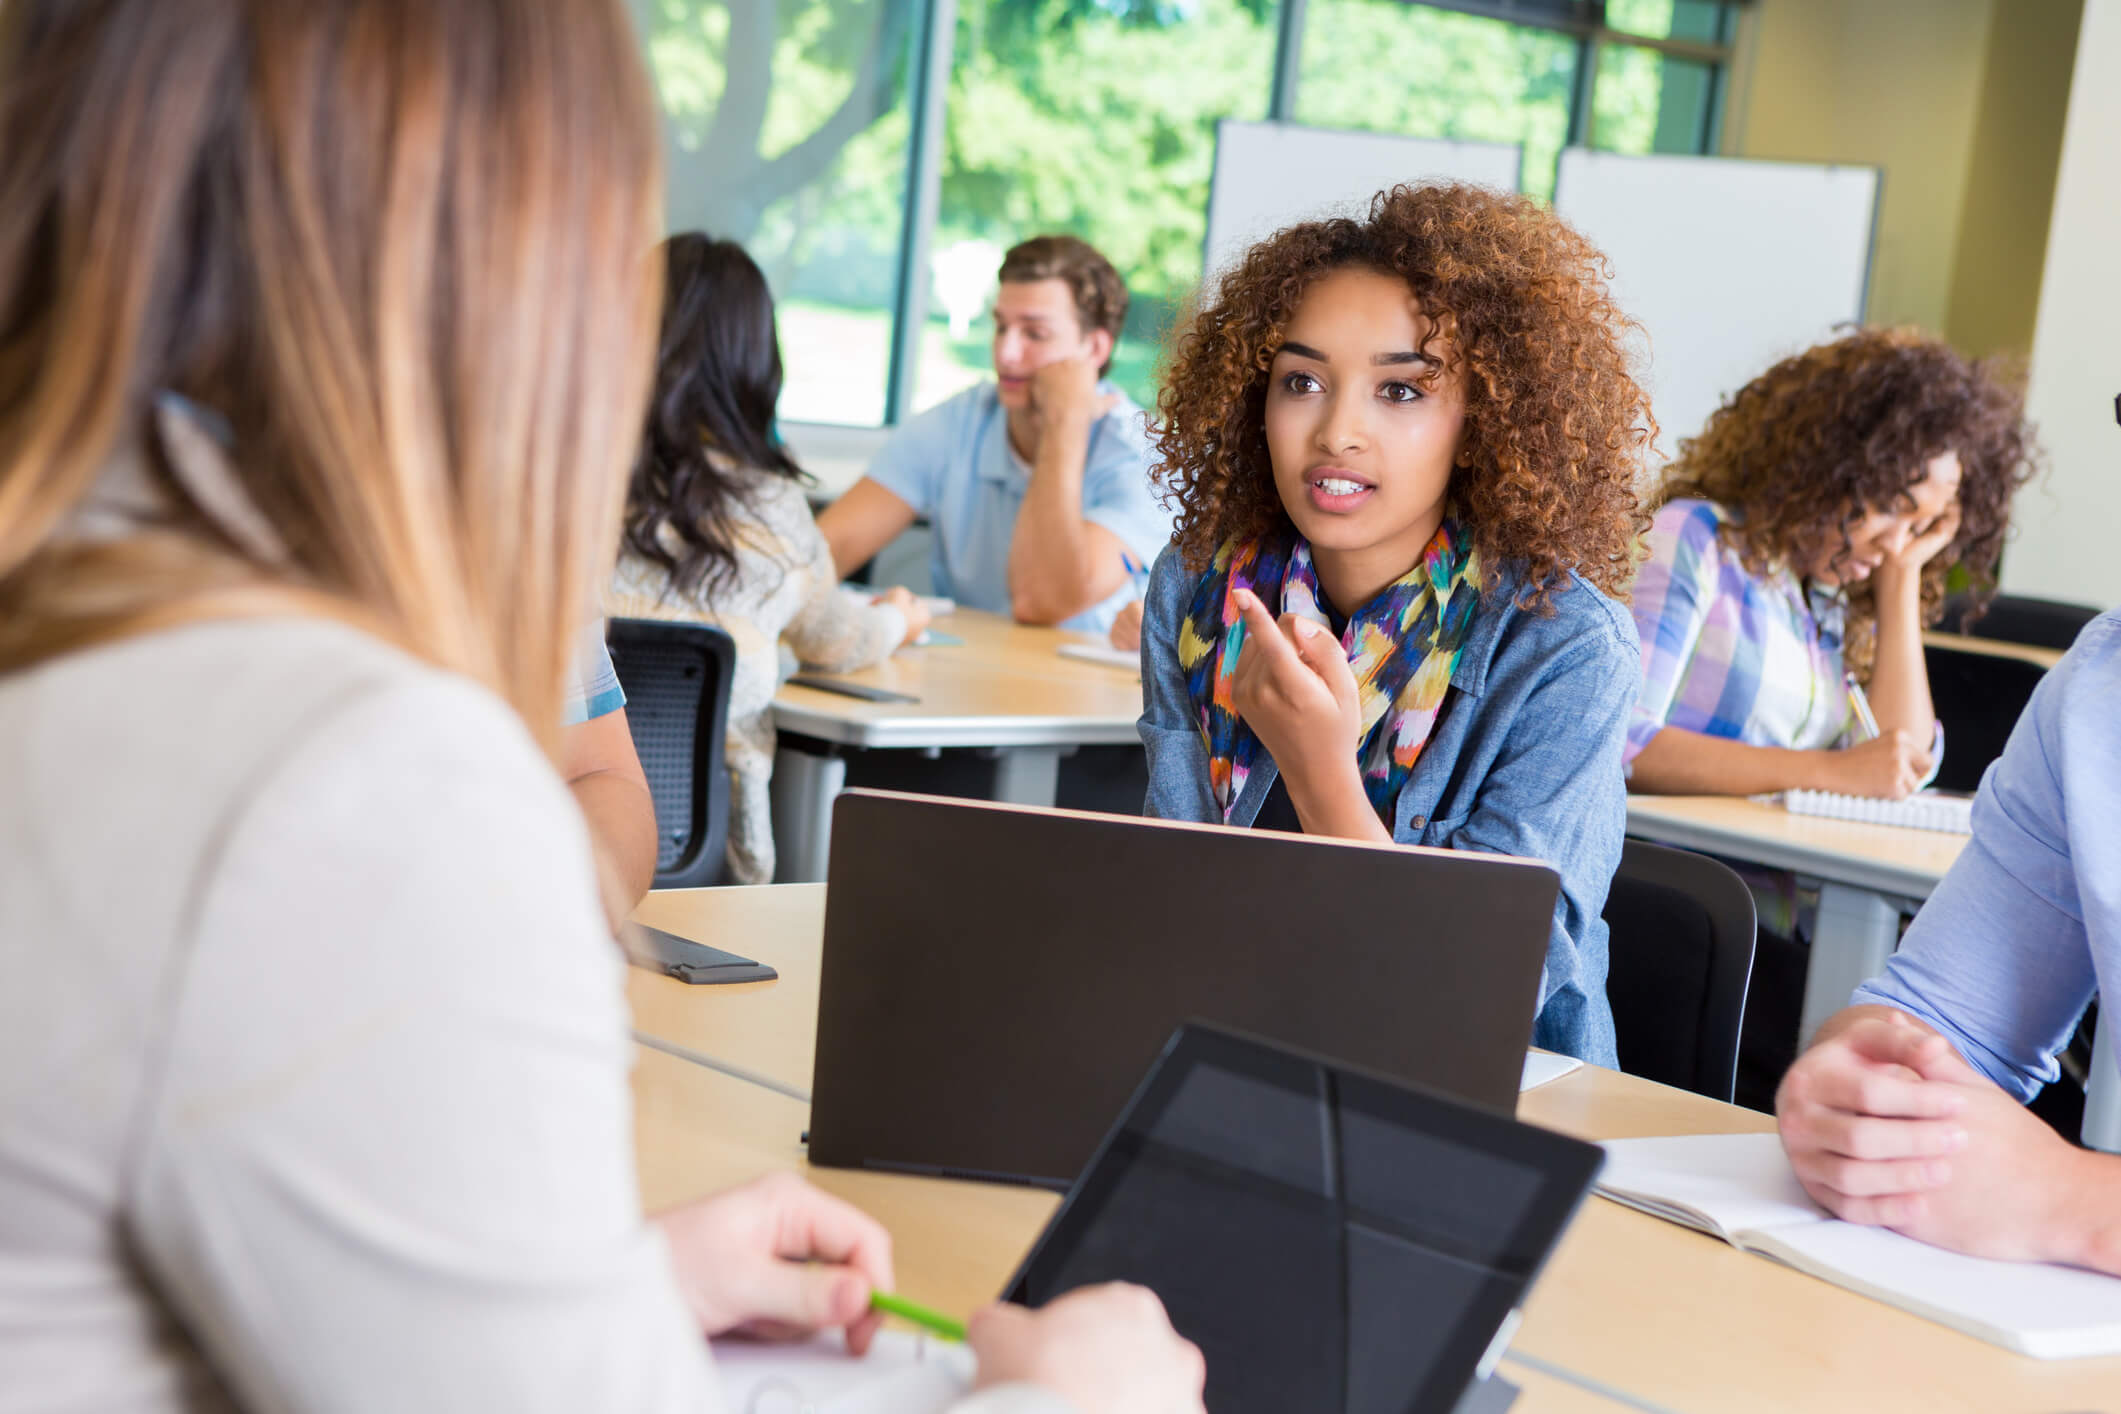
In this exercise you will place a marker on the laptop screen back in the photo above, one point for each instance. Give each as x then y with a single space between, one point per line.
1329 1240
996 979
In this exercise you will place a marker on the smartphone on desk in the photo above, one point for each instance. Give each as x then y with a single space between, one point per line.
673 956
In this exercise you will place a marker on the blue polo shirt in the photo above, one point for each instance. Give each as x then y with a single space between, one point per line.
953 464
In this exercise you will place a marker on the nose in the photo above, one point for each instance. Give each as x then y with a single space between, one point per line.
1008 346
1344 427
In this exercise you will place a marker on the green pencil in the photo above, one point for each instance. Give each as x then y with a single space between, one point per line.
934 1322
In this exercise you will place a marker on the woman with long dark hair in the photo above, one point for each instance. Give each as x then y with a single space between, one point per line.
717 527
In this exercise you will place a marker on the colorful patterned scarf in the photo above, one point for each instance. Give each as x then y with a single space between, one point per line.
1403 645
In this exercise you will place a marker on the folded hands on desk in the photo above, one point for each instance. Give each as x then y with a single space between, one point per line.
1885 1124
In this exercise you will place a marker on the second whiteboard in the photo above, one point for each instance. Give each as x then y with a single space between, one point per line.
1730 265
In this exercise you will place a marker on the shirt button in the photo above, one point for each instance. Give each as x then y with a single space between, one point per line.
1421 822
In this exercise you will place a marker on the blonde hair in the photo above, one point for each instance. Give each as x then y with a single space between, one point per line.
400 246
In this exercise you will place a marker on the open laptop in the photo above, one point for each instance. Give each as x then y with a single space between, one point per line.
1331 1240
996 978
1328 1239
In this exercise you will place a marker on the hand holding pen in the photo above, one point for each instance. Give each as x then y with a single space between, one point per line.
1883 765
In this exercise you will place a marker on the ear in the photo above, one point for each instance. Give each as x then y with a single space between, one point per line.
1101 342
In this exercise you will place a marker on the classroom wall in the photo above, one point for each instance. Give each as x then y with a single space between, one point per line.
2017 146
1890 83
2064 546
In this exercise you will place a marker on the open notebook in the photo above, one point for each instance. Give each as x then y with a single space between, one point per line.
1739 1187
1924 810
902 1374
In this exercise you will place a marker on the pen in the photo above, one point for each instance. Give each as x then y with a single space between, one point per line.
1861 706
1135 573
934 1322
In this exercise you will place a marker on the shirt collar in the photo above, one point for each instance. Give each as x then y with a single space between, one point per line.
994 459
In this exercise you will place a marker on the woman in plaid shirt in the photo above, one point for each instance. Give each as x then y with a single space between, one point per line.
1802 542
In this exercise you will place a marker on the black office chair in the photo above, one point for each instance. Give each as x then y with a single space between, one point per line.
1979 698
677 678
2015 618
1681 957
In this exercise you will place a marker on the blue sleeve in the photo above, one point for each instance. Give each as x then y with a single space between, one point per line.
1178 758
1555 793
594 690
914 460
1999 960
1117 492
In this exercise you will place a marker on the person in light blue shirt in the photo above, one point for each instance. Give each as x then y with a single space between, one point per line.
1908 1110
1036 485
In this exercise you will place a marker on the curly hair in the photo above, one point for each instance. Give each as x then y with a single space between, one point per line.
1807 449
1555 423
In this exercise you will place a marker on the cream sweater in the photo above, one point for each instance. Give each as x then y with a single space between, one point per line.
313 1049
785 589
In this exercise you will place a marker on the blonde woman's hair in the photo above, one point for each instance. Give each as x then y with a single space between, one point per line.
398 246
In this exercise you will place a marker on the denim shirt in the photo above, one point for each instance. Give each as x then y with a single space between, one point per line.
1524 760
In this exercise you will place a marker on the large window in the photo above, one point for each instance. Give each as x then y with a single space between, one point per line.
787 129
1068 116
877 156
1392 67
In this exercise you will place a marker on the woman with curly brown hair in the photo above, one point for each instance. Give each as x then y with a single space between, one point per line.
1803 542
1402 450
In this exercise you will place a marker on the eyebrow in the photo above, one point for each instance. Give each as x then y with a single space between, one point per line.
1381 360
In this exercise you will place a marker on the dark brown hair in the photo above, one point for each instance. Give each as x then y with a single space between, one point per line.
1100 294
1555 423
709 439
1809 447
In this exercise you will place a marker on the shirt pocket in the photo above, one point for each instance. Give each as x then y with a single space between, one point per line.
1435 831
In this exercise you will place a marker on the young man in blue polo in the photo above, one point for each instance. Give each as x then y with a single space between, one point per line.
1036 485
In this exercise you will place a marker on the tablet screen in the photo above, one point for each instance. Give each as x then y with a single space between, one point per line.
1330 1241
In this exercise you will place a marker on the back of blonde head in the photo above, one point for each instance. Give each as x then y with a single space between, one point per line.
398 245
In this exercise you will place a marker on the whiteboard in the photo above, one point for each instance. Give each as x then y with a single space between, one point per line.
1270 175
1729 265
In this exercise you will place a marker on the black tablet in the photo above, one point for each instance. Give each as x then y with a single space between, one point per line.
1330 1240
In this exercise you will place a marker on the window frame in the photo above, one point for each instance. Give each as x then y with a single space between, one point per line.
928 84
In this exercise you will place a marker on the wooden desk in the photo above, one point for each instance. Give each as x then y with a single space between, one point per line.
1006 687
1867 875
954 1244
1675 1319
1993 648
761 1031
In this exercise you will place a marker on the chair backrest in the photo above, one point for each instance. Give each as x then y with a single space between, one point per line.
2018 618
1682 930
1979 698
677 678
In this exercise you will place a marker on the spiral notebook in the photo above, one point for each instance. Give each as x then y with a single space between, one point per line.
1942 811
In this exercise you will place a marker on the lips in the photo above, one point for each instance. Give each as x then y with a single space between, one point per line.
1337 490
